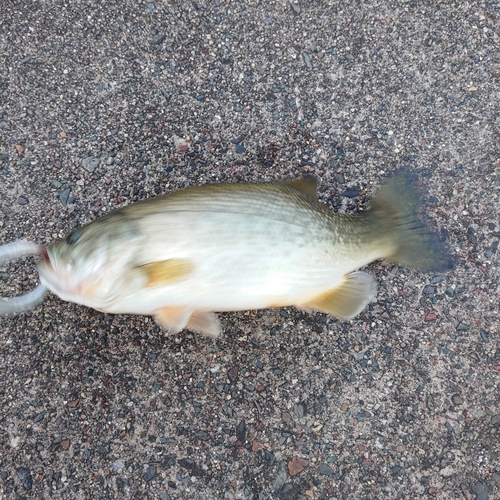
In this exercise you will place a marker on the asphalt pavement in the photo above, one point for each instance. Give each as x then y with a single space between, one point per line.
106 103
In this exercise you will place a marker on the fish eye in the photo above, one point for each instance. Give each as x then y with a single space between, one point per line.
74 236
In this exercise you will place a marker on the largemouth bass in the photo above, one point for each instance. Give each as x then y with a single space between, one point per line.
232 247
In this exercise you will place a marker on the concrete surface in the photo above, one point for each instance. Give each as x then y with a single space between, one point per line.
105 103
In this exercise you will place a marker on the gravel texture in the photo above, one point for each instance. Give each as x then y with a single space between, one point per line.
106 103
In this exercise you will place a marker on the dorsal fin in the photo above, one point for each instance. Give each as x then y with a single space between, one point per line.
306 186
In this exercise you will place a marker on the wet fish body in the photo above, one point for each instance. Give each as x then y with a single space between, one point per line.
231 247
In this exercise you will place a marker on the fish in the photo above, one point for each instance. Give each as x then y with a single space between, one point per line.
186 255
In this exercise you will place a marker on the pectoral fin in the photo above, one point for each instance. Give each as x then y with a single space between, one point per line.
349 298
178 318
165 271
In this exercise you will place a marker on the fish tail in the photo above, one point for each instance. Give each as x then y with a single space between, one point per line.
394 212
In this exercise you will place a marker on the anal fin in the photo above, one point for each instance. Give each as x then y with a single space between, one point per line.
349 298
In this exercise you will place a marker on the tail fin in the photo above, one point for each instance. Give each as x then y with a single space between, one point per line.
394 211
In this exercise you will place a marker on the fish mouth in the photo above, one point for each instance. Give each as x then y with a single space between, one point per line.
57 279
47 264
45 255
66 280
50 269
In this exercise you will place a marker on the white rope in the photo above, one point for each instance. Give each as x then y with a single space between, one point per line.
32 299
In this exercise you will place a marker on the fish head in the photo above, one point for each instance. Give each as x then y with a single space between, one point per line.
88 265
